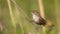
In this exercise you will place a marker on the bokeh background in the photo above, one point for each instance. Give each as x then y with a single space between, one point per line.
14 16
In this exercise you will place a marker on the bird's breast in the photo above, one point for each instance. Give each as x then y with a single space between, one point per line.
36 18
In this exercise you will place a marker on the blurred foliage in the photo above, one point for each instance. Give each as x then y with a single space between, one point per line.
20 19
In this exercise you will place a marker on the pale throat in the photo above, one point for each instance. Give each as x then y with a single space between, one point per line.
35 17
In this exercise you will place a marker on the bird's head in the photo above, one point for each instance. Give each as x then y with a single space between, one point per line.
35 12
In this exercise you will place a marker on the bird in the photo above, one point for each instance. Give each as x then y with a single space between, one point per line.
36 18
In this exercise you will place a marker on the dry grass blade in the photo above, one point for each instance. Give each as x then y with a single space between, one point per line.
11 15
41 8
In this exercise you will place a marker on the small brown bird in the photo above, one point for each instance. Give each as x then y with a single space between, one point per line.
41 21
37 18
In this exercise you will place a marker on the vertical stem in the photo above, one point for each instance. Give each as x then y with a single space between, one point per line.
57 13
11 15
41 8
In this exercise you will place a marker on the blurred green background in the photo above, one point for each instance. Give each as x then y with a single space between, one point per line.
15 22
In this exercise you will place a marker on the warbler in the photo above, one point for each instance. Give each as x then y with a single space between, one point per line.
41 21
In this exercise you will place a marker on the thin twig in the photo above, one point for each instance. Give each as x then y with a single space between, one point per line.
22 11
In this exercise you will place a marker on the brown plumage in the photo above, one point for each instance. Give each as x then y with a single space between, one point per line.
38 18
41 21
